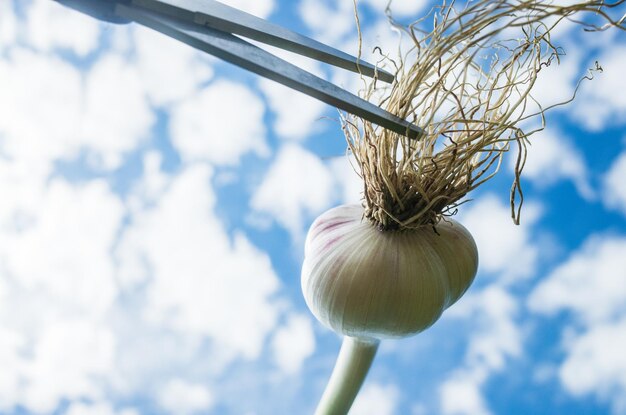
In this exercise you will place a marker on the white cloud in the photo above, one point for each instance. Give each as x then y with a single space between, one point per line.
297 115
596 364
40 106
598 105
296 187
334 23
170 71
376 399
70 358
293 343
99 408
551 158
154 180
8 24
199 281
220 124
22 188
149 355
403 8
181 397
260 8
69 230
496 336
117 115
54 255
590 283
614 189
51 113
461 395
500 337
345 170
556 83
329 20
378 40
51 26
495 339
504 249
121 39
11 342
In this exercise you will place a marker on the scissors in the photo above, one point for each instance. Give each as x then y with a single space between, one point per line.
217 28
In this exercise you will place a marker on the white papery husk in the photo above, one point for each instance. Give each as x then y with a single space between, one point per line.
367 283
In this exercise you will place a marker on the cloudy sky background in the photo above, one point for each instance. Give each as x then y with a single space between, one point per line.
154 203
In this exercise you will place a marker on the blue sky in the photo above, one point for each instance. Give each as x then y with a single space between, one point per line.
154 204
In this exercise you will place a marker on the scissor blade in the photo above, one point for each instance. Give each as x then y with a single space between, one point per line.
231 20
254 59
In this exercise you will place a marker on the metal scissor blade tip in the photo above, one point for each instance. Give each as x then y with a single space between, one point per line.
393 123
414 132
385 76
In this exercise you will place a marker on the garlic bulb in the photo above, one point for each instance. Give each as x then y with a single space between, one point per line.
367 283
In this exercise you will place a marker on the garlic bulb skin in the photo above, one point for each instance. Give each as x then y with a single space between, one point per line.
367 283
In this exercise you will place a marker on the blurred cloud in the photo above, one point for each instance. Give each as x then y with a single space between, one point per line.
181 397
74 112
344 169
53 377
297 115
614 186
297 187
42 379
598 105
498 336
402 8
332 22
590 286
49 263
595 364
461 395
98 408
8 26
11 342
199 280
328 20
110 132
293 343
73 270
557 82
260 8
553 158
506 250
152 184
379 41
590 283
376 399
32 87
495 338
220 124
51 26
169 71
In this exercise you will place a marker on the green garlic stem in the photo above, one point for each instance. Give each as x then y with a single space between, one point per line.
353 363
